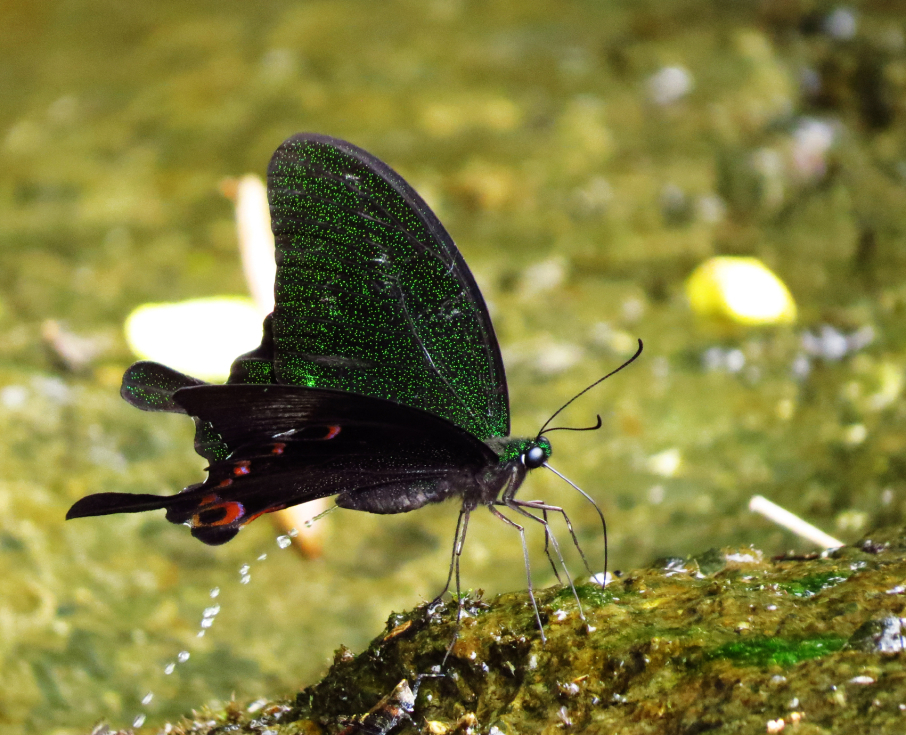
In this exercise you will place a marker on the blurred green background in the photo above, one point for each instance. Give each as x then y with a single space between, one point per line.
585 156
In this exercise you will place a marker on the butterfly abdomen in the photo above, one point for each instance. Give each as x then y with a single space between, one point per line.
388 499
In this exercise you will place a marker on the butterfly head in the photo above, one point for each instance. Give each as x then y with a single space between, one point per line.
530 452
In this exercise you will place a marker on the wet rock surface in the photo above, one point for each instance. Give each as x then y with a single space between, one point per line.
728 641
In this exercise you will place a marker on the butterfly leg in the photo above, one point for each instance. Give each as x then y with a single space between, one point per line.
545 508
547 545
597 510
459 540
520 507
528 566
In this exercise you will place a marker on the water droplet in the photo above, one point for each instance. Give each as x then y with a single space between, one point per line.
147 698
308 523
283 541
200 634
244 569
183 657
246 579
169 669
262 557
138 721
293 533
210 612
214 592
207 622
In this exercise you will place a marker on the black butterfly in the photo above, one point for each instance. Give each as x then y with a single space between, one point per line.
378 380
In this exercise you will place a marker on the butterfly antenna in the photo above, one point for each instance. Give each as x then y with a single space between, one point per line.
573 428
590 500
582 393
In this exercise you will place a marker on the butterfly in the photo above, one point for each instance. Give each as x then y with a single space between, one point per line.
378 381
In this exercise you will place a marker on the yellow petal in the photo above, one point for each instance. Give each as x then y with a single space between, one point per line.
743 290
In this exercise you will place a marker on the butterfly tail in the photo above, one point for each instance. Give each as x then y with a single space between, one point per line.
212 521
103 504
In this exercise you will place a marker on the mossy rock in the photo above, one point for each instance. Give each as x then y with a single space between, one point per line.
685 646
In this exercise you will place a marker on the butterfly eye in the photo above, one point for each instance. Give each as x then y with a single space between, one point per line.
534 457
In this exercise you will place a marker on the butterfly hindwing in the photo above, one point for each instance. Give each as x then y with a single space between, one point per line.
289 445
372 296
285 445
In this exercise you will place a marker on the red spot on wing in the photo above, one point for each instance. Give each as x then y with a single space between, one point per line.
232 511
278 448
332 431
242 468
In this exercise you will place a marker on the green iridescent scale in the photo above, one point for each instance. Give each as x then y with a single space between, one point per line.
372 296
208 442
256 367
150 386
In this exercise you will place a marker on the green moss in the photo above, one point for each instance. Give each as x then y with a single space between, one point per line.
776 651
589 594
814 583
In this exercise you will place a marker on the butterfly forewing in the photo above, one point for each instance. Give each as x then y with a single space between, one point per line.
372 296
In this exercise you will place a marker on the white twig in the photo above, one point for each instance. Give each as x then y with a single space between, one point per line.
782 517
256 242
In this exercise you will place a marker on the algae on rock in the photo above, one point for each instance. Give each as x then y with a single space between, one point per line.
724 642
